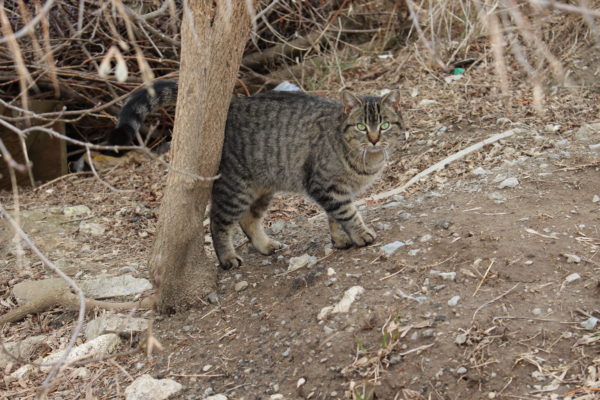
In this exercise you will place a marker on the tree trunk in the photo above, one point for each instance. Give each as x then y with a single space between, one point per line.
212 45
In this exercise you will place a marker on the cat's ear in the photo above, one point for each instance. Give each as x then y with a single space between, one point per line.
350 101
392 100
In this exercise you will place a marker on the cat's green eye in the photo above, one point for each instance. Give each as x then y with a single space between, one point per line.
384 126
361 127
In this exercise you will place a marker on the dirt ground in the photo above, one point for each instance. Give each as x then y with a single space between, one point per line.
523 259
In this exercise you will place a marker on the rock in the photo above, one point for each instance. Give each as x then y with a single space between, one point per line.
382 226
453 301
551 128
594 147
277 226
330 271
391 248
561 143
497 197
74 211
147 388
595 199
302 261
509 183
276 396
216 397
22 350
97 288
104 344
343 306
461 370
213 298
287 352
479 171
537 312
414 252
590 323
447 276
404 215
572 278
443 224
587 131
461 338
425 238
392 204
122 325
572 258
241 285
503 121
420 299
427 102
91 228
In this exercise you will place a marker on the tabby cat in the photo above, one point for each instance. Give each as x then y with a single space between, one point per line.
292 142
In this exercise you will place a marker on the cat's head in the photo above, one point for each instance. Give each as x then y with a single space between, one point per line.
373 124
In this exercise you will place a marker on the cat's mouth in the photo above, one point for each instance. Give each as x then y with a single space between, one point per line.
375 148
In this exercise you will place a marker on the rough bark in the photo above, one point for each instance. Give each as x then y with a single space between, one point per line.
212 47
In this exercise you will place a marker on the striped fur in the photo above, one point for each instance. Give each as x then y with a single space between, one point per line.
293 142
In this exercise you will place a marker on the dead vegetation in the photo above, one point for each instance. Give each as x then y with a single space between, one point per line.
513 55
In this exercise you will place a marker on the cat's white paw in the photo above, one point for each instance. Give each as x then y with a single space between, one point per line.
364 237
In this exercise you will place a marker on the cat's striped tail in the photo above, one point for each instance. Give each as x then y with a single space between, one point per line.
139 104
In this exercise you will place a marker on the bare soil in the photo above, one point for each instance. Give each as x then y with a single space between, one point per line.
515 332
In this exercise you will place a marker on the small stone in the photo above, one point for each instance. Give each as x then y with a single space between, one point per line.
595 199
395 359
425 238
74 211
537 312
590 323
330 271
428 333
392 204
594 147
443 224
382 226
91 228
414 252
206 368
302 261
147 388
572 277
479 171
497 197
391 248
427 102
491 395
277 226
551 128
213 298
587 130
509 183
461 370
404 215
120 324
461 338
572 258
503 121
287 352
453 301
277 396
216 397
561 143
447 276
22 350
241 285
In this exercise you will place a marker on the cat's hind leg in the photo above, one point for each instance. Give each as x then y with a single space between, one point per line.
252 225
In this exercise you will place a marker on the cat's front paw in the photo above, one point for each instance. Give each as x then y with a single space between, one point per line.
363 237
268 247
231 261
341 241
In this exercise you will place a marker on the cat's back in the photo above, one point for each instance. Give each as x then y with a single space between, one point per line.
281 111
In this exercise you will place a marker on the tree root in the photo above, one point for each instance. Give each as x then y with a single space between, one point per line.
46 300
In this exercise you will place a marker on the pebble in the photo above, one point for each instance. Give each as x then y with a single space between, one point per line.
392 204
586 130
74 211
447 276
302 261
572 258
287 352
382 226
572 277
479 171
425 238
91 228
496 197
147 388
594 147
453 301
391 248
461 370
216 397
213 298
277 396
277 226
241 285
536 311
461 338
509 183
443 224
595 199
330 271
590 323
404 215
